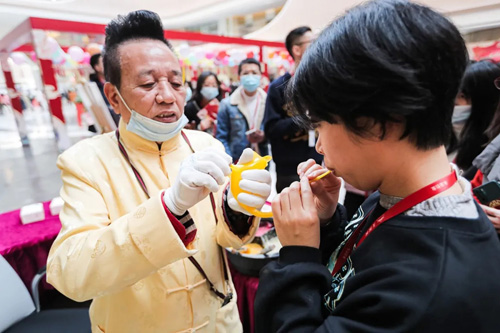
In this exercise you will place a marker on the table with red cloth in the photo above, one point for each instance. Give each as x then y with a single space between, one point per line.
26 246
246 288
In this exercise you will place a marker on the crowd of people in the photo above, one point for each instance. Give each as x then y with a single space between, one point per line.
385 98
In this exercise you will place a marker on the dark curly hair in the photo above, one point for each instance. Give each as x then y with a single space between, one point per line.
141 24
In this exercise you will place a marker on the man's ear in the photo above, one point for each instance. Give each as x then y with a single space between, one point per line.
112 96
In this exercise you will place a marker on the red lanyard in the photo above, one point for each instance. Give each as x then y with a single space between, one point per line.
410 201
136 173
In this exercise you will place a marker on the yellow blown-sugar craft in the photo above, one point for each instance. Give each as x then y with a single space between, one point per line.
257 163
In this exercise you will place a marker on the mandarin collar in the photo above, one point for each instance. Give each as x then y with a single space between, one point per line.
133 141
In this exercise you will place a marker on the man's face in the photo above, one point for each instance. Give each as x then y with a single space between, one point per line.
252 69
302 44
350 157
99 68
151 82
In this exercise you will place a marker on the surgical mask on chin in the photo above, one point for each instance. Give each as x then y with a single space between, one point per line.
250 82
209 92
150 129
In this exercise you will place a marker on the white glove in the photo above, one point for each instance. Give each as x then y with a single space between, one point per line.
199 174
257 182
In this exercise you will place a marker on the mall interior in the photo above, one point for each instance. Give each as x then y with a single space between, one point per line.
56 101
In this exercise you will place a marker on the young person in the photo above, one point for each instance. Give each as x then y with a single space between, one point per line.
379 84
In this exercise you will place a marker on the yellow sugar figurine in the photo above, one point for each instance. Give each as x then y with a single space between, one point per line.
259 163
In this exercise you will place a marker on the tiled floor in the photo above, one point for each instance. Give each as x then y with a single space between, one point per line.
29 174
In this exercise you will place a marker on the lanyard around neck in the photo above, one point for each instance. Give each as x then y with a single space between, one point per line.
410 201
136 173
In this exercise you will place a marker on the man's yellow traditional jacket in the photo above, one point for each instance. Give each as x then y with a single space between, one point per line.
119 248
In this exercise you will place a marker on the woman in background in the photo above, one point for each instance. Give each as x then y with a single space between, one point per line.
479 95
202 109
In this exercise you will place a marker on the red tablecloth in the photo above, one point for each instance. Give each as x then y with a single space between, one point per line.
26 247
246 288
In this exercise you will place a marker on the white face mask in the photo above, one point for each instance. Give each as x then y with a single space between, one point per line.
150 129
460 115
209 92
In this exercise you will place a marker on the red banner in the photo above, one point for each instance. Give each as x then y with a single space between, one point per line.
49 81
487 52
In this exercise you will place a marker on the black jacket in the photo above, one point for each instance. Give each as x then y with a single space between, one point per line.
289 142
411 274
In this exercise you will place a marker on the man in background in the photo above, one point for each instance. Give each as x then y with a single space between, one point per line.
290 144
239 121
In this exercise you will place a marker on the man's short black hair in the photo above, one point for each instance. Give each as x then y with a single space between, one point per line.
293 37
141 24
248 61
94 60
387 61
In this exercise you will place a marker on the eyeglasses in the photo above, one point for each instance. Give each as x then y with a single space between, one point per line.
497 83
305 42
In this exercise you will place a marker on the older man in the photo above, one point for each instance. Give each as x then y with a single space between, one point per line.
147 208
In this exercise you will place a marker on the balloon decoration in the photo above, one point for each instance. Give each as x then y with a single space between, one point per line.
76 53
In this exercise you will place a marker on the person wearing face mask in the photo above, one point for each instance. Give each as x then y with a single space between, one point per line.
475 106
148 208
239 121
202 109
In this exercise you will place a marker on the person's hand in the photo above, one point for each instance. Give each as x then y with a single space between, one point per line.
493 215
199 174
256 182
295 216
206 123
256 137
325 191
213 108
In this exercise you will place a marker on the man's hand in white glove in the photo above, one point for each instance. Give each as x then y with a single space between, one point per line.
199 174
256 182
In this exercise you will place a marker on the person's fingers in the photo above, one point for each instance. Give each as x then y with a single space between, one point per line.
251 200
220 158
306 194
262 176
294 196
490 211
261 189
199 178
212 169
285 201
246 156
314 171
276 208
302 167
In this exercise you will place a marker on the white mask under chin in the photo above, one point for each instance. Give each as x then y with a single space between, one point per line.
150 129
